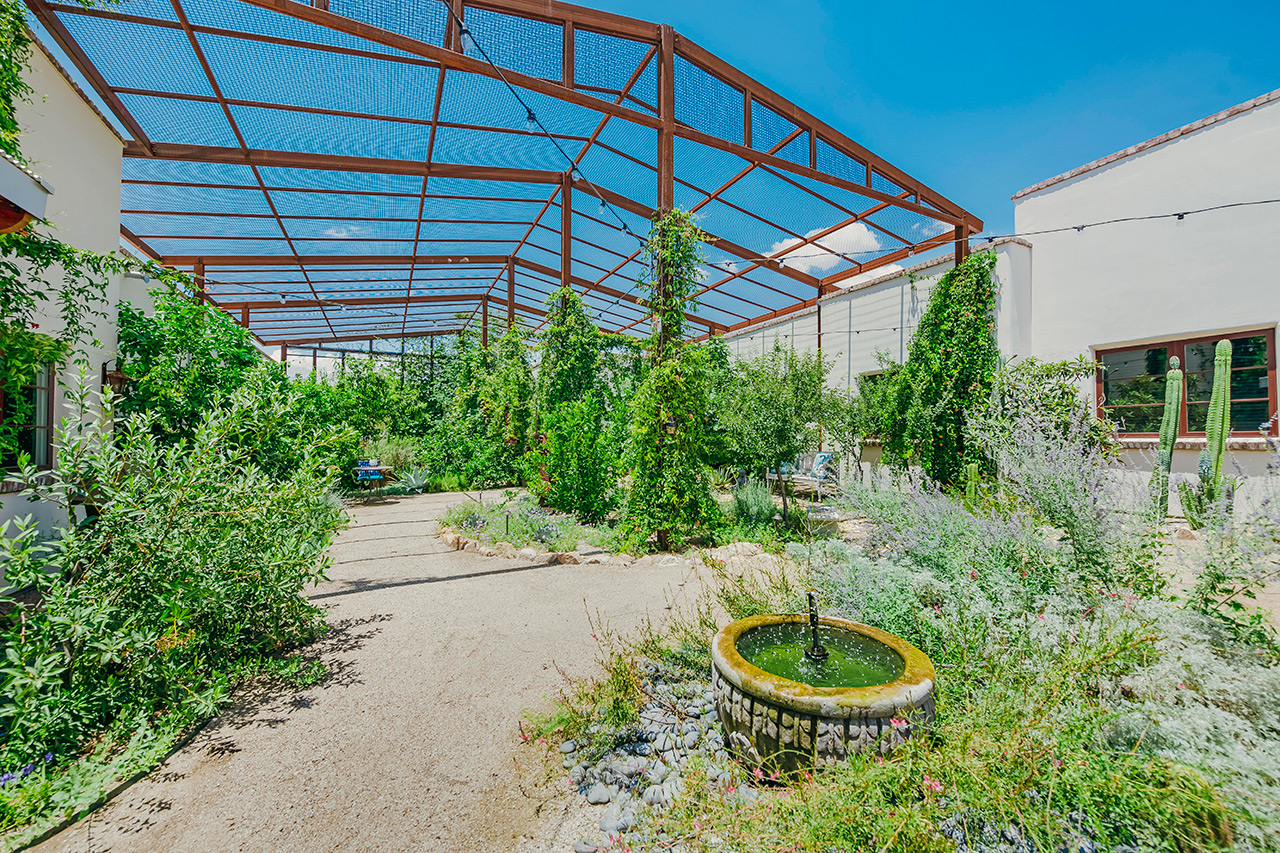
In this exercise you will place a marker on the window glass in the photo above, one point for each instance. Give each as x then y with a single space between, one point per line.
35 435
1133 387
1133 384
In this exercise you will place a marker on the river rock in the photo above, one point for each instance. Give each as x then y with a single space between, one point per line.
598 794
584 846
655 795
569 746
619 817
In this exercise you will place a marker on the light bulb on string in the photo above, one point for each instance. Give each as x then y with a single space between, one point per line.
468 43
575 175
281 298
601 209
530 120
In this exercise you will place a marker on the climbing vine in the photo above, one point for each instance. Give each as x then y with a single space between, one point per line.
949 372
39 276
670 496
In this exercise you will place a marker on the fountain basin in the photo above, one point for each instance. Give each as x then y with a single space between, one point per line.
788 725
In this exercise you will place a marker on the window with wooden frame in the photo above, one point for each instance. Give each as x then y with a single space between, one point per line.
1131 383
35 435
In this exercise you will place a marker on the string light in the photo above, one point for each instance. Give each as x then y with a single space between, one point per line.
530 120
468 42
575 176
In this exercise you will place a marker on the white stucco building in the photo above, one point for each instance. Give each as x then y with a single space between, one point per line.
1129 294
77 156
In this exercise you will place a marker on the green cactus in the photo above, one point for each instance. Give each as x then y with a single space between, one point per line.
972 477
1168 434
1198 499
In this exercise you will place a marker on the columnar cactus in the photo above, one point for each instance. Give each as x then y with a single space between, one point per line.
1197 500
1218 426
1168 434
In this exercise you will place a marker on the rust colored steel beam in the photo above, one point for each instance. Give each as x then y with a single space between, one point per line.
54 26
665 156
449 58
330 260
339 163
205 66
607 23
511 293
566 230
384 336
942 239
138 242
274 304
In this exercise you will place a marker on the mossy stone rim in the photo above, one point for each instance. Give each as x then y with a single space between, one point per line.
878 700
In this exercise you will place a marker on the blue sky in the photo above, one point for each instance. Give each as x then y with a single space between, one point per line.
979 100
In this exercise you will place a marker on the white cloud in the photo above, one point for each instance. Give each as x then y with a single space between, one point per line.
930 228
340 233
853 239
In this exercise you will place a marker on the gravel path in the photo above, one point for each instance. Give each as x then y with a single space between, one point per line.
412 743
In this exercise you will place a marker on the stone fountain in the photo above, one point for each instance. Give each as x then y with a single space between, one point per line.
795 690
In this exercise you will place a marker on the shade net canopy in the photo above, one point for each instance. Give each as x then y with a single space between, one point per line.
360 169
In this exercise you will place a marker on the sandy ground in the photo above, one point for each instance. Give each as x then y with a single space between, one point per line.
412 743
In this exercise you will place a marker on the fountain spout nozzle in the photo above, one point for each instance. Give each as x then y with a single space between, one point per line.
816 652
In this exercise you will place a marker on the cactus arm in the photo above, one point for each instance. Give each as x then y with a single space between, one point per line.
1168 435
1218 426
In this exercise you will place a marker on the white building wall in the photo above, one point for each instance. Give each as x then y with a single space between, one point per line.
69 145
1141 282
880 315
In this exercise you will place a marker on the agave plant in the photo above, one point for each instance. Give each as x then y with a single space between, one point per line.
415 480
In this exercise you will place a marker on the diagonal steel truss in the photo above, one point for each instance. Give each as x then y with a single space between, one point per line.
680 104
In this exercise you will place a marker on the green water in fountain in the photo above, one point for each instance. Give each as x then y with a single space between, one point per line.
854 660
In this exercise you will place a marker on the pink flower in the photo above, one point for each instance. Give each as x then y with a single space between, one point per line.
973 575
758 773
931 784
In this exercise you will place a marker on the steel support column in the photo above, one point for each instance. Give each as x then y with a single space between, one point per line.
566 229
511 294
667 115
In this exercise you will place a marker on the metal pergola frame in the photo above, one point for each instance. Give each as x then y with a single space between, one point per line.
658 105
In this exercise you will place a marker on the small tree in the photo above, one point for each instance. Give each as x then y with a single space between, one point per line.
670 494
180 361
774 408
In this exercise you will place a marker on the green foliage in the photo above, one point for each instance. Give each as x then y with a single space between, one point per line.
180 361
36 270
521 521
949 372
488 419
571 353
1212 492
398 453
1168 434
180 560
15 53
578 472
670 494
753 504
776 403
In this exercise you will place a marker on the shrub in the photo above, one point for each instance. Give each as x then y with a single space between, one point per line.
180 560
577 460
400 454
753 504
